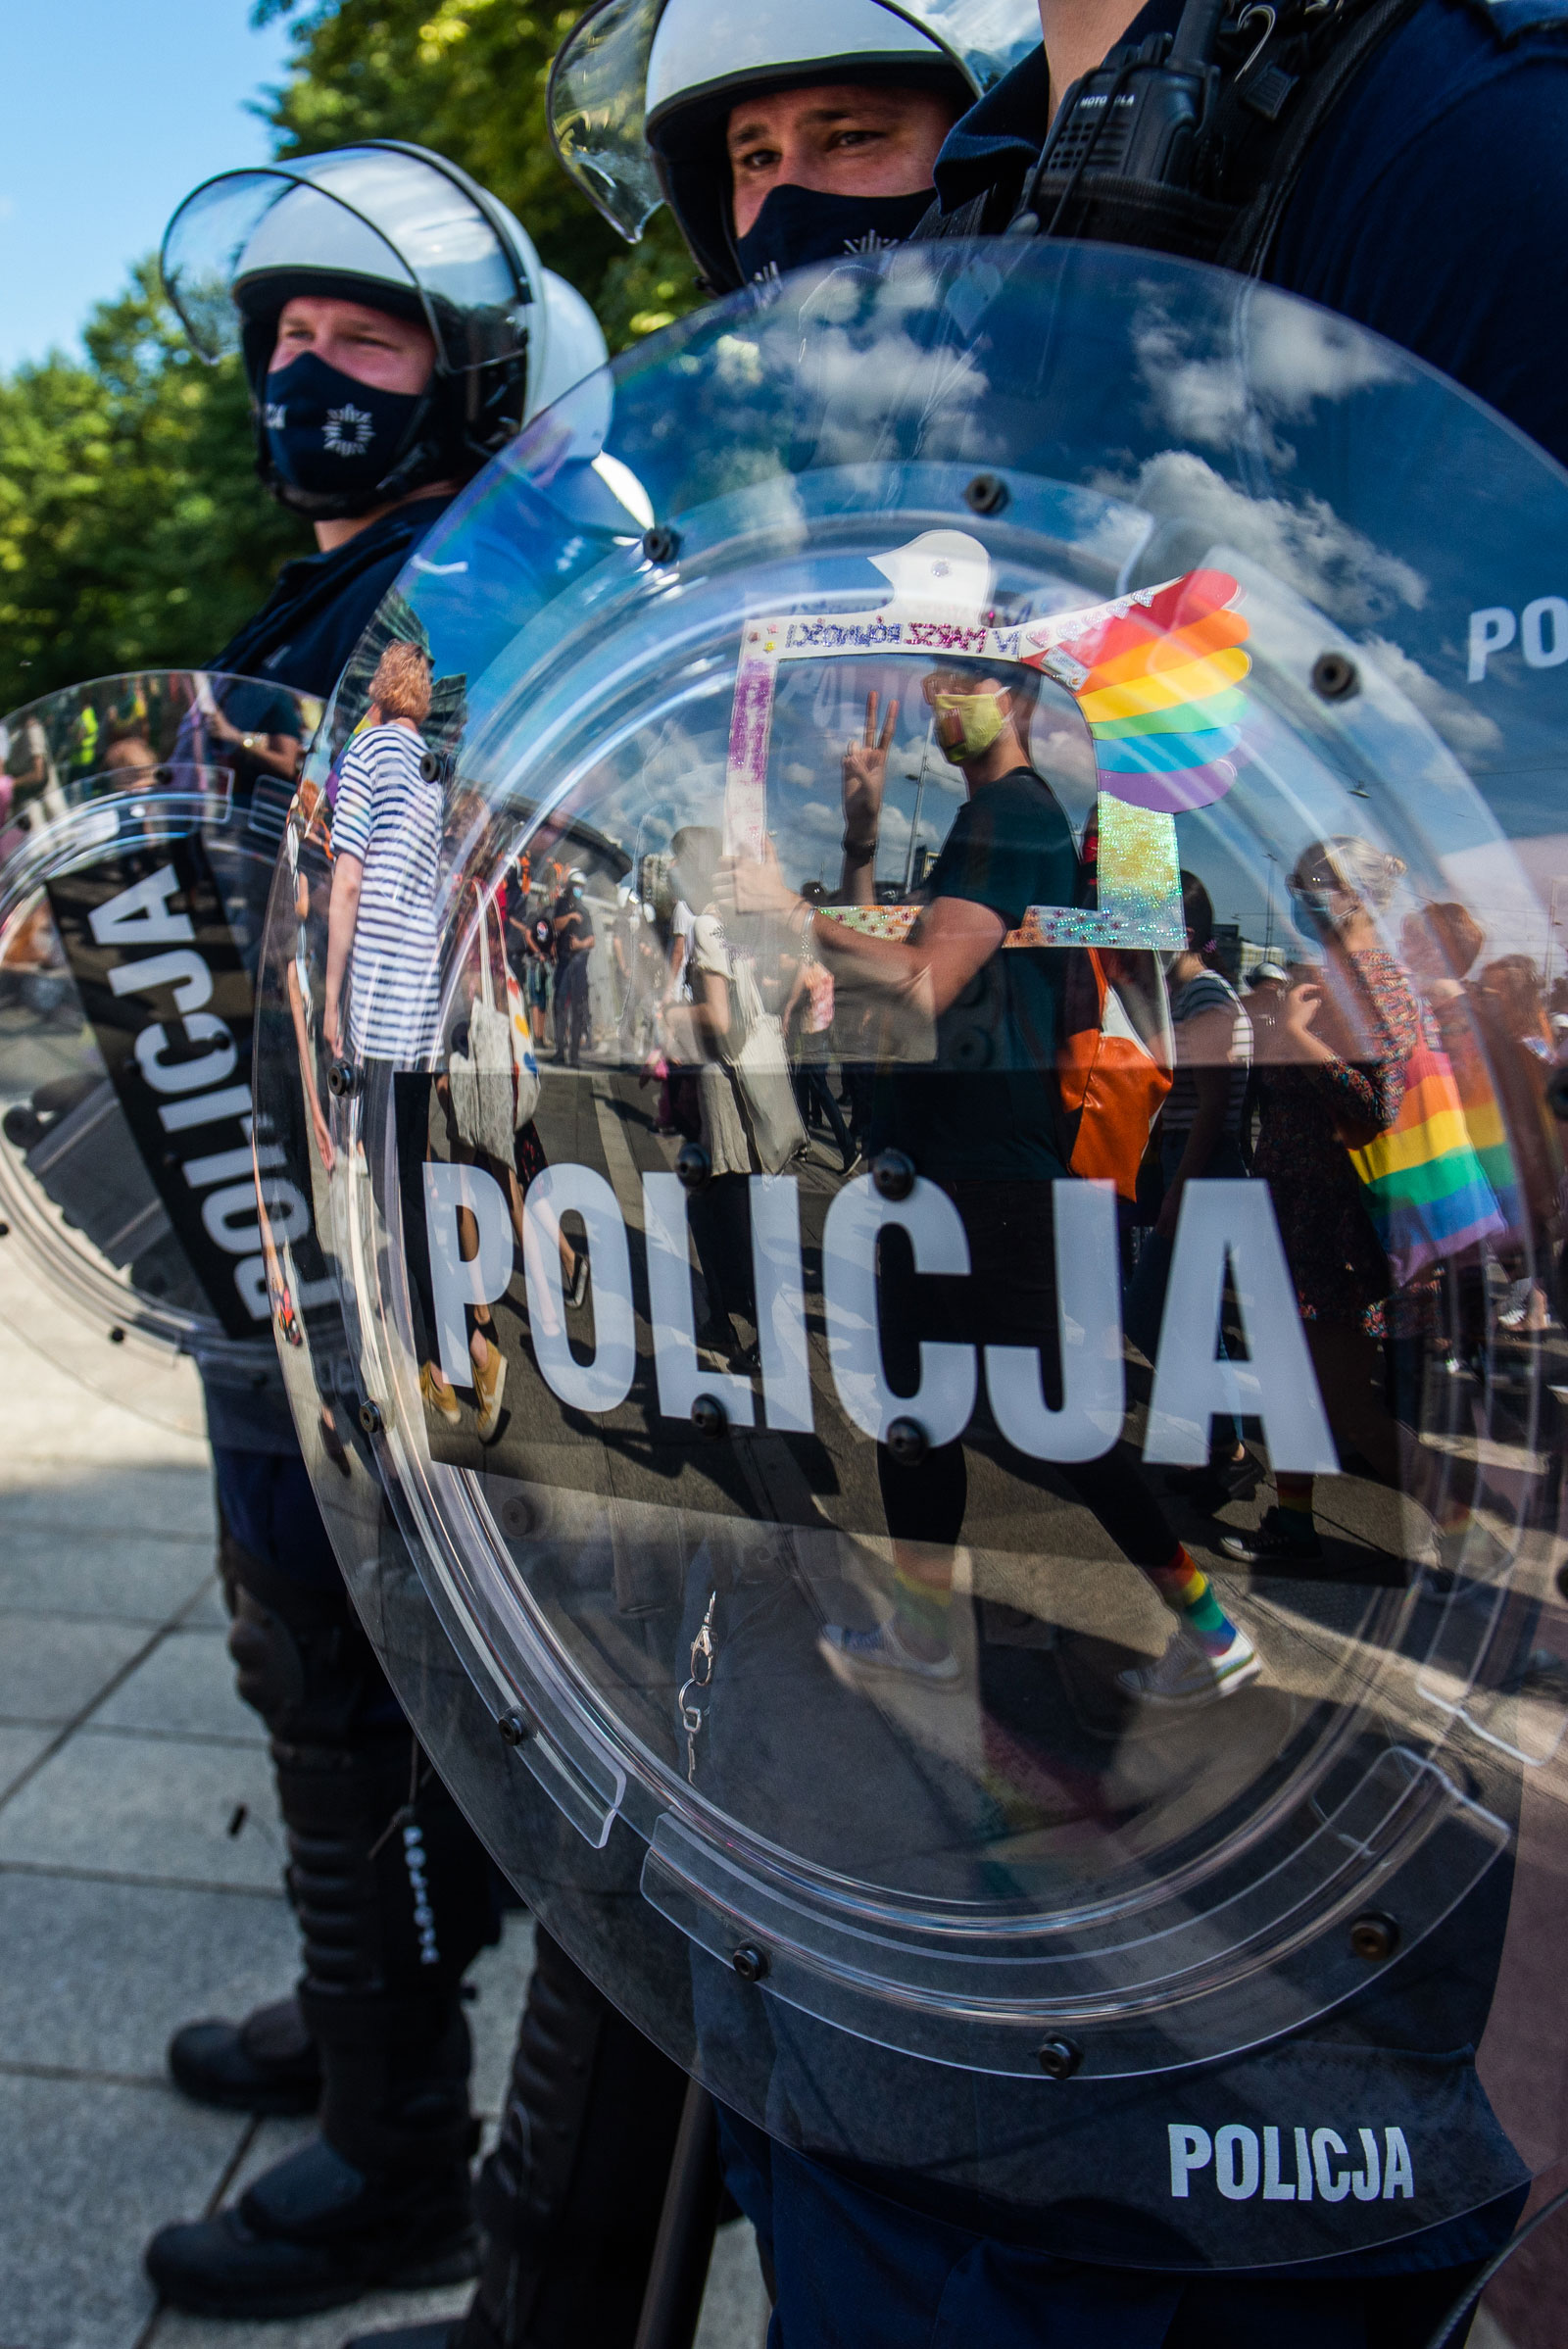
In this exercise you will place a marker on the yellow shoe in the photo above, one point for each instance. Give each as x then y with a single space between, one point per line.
437 1395
489 1384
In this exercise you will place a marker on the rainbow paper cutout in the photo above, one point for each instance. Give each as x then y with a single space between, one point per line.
1424 1185
1158 683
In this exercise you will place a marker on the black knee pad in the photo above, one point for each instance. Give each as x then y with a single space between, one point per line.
392 1889
302 1661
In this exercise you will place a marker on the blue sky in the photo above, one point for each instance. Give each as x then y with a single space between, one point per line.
114 109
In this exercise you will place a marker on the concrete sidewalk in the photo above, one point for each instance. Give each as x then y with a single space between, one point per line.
141 1852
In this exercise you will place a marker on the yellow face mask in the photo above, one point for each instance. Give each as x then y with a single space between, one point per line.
981 718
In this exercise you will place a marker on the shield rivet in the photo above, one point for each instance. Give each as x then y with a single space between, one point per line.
987 493
1059 2059
893 1173
1334 677
693 1166
710 1418
1374 1938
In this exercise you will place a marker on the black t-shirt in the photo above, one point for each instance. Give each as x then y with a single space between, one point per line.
984 1109
321 605
576 932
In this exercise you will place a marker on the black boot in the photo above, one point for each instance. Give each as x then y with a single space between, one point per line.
393 1896
570 2198
267 2064
314 2232
379 2199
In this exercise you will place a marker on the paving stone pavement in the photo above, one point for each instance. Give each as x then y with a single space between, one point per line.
139 1885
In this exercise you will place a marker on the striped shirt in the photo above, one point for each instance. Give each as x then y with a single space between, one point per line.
1207 993
390 818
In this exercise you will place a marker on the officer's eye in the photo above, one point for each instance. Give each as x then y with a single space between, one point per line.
756 159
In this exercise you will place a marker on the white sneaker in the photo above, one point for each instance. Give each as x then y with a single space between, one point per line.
1186 1676
852 1653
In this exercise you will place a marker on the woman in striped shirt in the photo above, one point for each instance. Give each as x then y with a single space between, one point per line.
384 927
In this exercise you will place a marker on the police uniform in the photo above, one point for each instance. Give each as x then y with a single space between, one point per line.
1426 210
394 1894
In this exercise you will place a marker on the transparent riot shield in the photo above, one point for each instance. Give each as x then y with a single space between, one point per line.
144 814
944 1394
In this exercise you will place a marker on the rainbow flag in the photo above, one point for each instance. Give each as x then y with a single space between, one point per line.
1159 684
1488 1138
1424 1186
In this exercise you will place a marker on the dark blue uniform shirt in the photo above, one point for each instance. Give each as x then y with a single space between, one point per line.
1430 207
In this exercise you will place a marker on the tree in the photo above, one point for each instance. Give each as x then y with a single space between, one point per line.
468 78
133 533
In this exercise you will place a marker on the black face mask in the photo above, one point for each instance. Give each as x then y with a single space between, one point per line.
329 435
801 224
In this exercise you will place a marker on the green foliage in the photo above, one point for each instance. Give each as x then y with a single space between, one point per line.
468 78
132 532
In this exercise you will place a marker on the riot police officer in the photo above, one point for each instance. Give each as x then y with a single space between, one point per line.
775 146
1389 163
381 378
1401 164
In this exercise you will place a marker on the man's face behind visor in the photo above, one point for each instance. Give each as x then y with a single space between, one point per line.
818 171
343 393
370 346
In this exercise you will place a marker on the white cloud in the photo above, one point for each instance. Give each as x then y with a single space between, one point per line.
1464 728
1302 543
1289 358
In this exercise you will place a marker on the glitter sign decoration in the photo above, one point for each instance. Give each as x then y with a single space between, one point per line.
1157 675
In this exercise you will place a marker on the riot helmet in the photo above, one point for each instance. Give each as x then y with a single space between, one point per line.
641 92
407 236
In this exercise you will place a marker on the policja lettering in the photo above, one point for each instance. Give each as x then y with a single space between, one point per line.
165 935
1231 2158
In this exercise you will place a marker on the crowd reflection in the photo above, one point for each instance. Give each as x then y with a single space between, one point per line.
1005 1104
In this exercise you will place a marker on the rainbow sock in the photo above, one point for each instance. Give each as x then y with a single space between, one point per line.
1294 1497
1188 1591
922 1608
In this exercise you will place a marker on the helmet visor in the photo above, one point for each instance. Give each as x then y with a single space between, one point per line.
599 86
371 218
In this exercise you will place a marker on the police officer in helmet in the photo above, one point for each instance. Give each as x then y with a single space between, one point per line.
1406 167
380 382
777 140
1392 169
776 144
